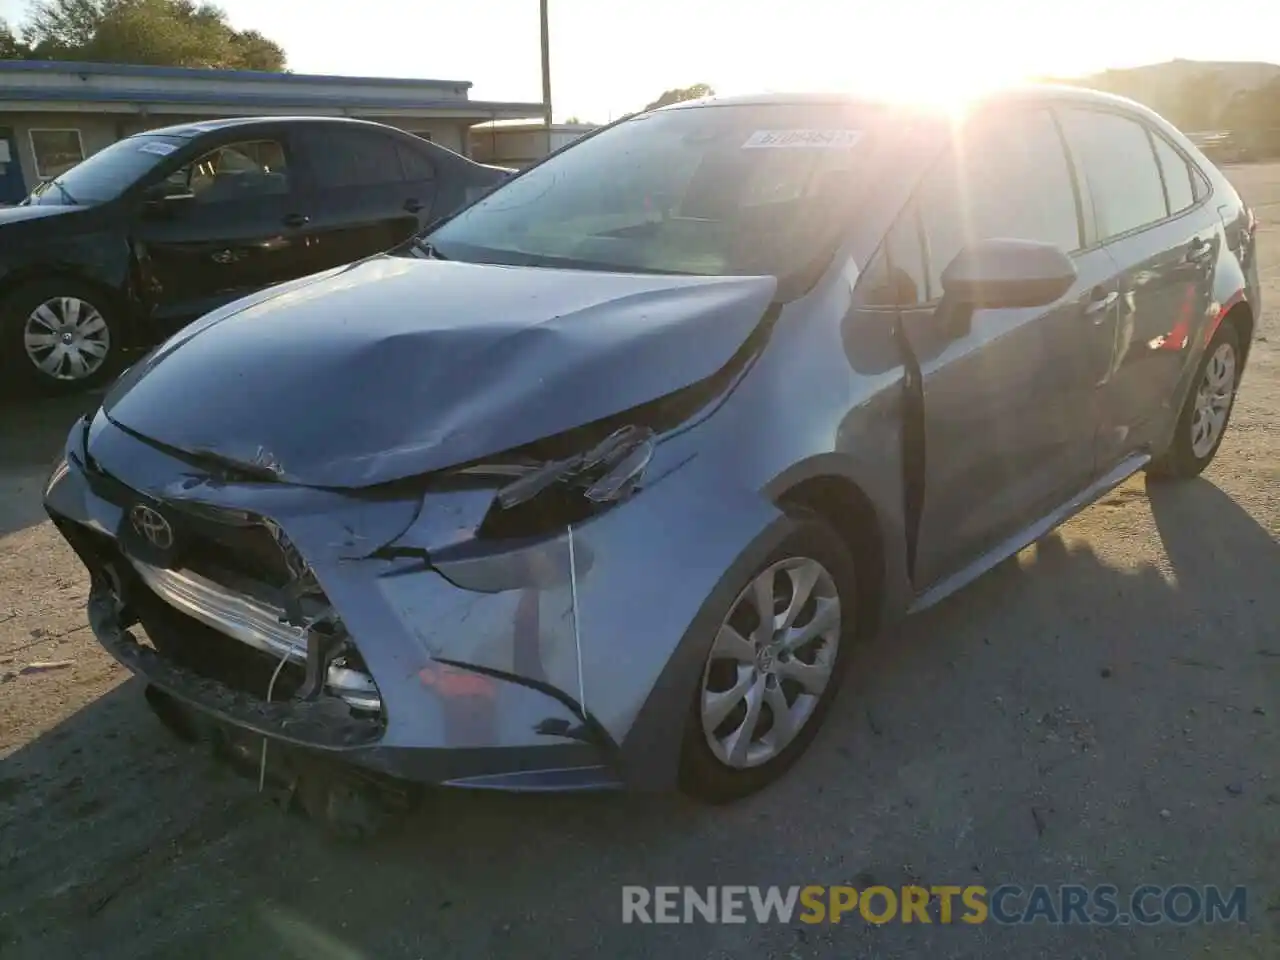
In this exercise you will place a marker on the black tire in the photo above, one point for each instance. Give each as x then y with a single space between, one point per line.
702 774
17 309
1180 461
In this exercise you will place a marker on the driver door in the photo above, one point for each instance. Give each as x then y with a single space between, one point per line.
225 226
1010 396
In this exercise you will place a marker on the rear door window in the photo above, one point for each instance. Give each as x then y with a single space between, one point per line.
1008 178
350 158
1120 167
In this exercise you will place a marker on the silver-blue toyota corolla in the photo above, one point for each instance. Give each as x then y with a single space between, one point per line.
596 483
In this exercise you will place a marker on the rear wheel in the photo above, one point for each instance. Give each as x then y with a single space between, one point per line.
773 667
59 335
1203 421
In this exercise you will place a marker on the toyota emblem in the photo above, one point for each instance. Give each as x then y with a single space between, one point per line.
151 526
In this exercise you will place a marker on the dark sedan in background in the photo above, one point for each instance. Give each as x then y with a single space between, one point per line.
598 484
159 228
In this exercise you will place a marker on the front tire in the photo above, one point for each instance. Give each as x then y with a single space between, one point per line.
1204 418
59 335
772 670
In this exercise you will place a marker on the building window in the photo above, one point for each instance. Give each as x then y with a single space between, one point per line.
56 151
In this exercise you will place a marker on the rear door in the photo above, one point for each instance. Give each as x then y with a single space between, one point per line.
356 196
226 227
419 191
1010 396
1150 211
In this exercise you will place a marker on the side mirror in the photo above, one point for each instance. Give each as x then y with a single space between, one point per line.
1008 273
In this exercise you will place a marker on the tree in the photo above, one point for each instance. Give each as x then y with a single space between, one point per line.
176 33
681 94
11 48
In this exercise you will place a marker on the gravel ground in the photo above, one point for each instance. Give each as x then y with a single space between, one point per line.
1100 710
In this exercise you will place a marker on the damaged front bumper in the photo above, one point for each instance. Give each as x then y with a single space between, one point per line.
416 648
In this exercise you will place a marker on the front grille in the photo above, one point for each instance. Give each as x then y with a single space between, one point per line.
227 601
213 542
211 539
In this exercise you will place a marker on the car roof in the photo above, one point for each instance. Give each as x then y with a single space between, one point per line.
1038 92
201 127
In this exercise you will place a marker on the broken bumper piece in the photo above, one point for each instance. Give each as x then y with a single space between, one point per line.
382 630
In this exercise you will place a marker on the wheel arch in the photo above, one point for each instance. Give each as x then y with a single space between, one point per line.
1241 317
844 506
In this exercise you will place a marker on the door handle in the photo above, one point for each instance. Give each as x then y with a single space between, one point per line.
1099 304
413 205
1199 249
296 220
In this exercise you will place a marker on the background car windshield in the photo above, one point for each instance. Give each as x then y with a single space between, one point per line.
106 174
714 190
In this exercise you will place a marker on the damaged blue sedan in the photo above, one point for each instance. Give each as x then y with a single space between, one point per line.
596 483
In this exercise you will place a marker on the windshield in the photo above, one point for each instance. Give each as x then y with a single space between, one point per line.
106 174
714 190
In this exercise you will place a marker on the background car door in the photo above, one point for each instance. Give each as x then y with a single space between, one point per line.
227 227
1148 210
1009 397
357 197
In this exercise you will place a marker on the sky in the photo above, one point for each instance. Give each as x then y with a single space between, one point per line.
610 56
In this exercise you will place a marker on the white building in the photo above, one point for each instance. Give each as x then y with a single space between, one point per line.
522 143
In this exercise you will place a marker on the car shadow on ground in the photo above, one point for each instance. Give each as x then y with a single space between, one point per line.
1035 728
32 432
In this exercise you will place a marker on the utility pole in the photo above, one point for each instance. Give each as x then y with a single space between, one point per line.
546 71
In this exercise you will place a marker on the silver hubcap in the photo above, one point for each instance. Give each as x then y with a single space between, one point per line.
67 338
1213 400
771 661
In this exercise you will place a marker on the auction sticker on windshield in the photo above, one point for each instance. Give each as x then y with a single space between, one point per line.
811 139
157 147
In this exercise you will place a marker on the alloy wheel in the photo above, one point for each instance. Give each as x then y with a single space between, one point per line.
67 338
1213 400
771 661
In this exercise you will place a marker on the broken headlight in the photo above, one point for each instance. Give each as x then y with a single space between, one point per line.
539 497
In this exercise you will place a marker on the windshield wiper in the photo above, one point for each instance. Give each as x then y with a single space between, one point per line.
426 248
66 194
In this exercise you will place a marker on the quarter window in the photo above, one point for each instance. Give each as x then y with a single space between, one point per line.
1008 177
1120 167
896 277
1178 175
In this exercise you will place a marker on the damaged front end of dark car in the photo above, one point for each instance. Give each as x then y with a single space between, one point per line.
438 597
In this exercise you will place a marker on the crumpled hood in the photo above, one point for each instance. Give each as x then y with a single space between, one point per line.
396 366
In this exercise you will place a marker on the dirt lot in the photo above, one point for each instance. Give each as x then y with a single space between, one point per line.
1102 710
